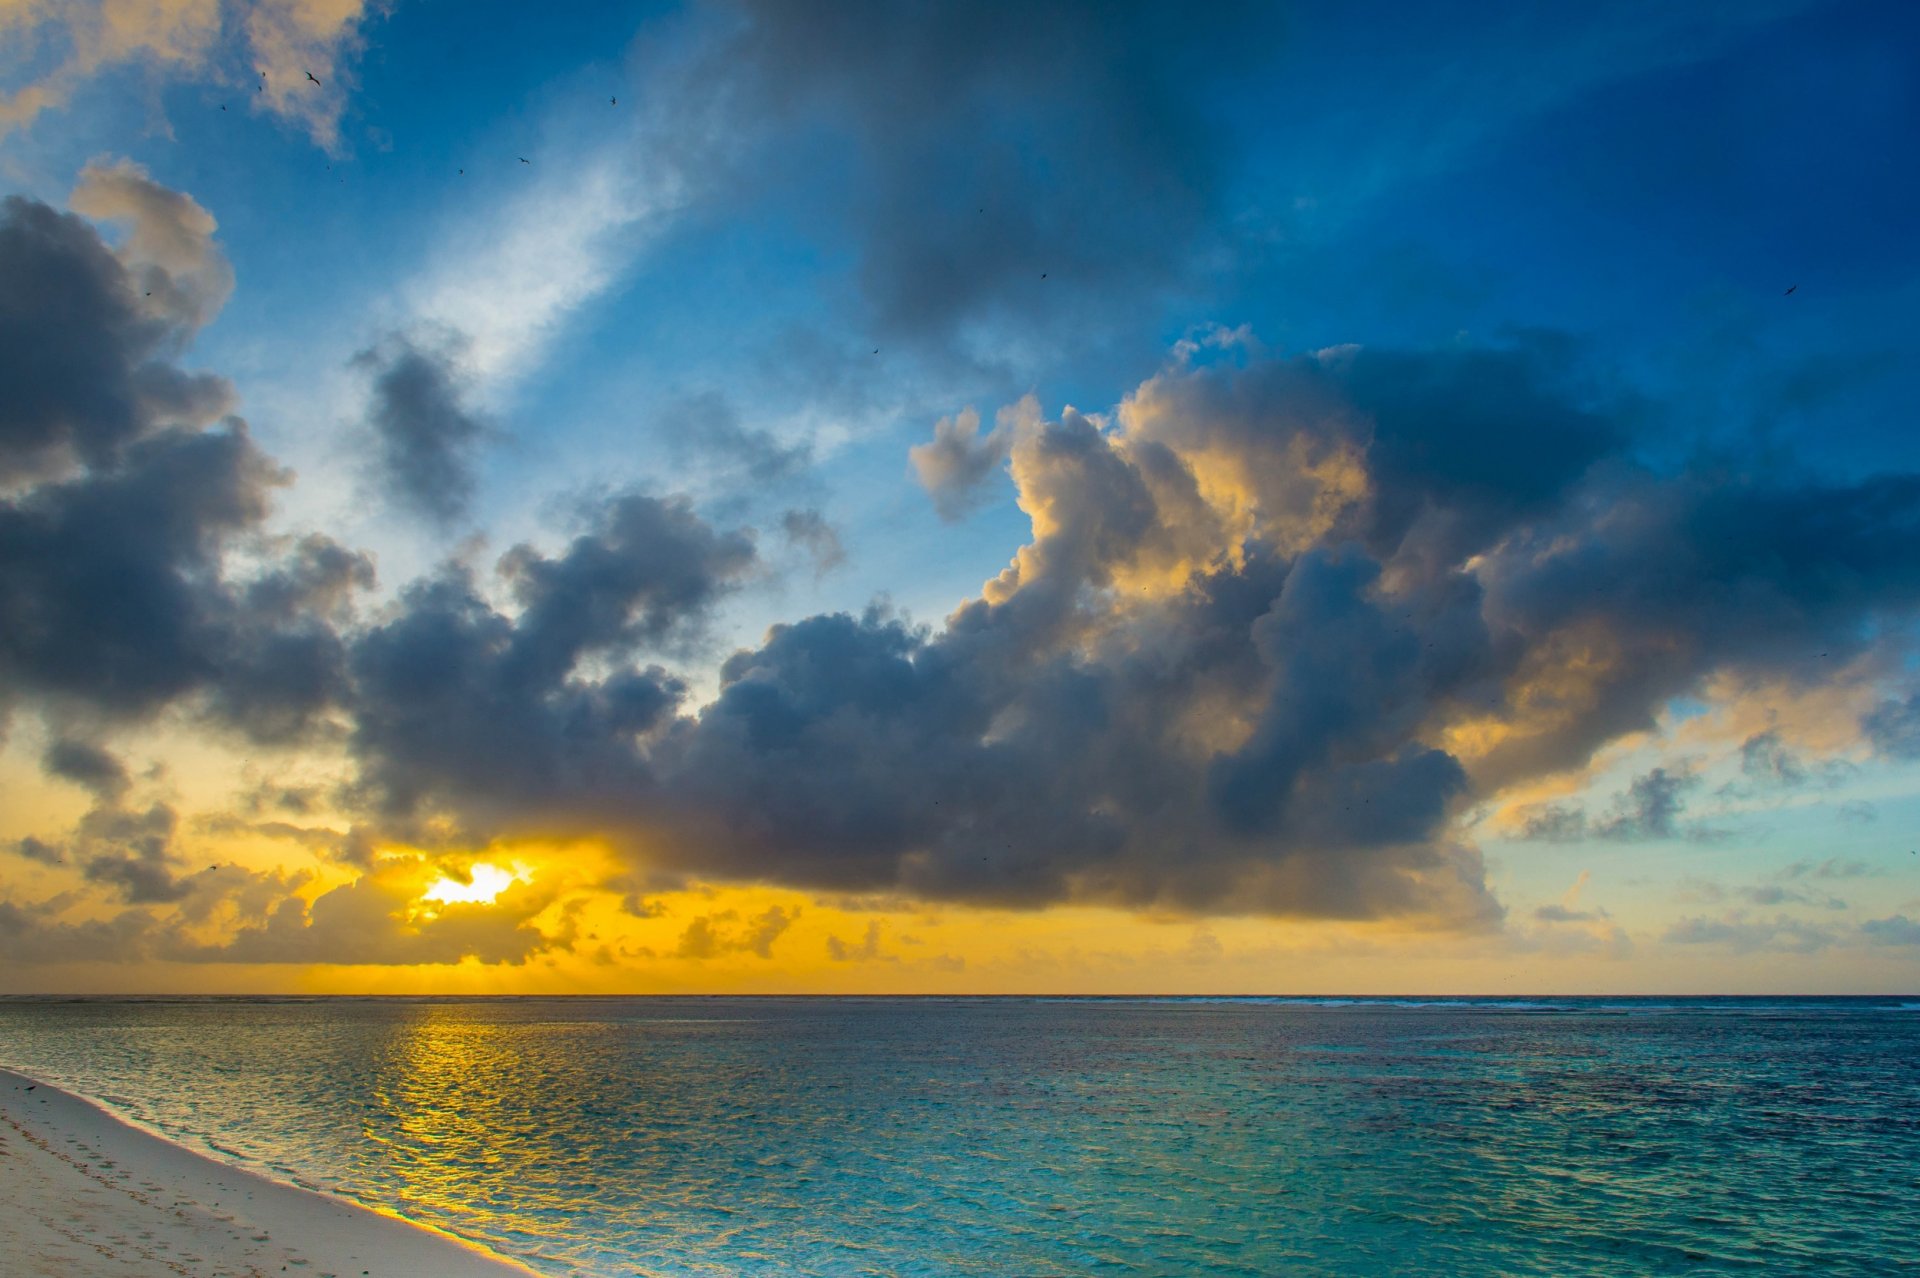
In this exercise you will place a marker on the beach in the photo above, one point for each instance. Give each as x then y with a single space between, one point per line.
86 1195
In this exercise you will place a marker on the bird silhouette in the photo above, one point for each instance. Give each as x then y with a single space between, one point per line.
525 160
1790 289
613 101
1043 275
310 76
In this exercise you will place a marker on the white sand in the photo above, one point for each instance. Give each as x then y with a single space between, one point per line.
83 1194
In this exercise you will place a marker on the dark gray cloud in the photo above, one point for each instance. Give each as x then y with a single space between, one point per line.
87 765
132 852
109 589
810 531
1894 727
39 850
426 432
456 701
1650 808
987 145
82 352
112 594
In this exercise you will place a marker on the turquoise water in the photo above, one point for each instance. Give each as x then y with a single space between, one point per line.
1023 1136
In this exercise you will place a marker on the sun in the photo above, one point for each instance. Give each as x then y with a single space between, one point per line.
484 883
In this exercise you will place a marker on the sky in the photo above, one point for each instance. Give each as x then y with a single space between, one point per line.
973 498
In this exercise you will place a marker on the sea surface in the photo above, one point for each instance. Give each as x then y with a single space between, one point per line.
1017 1136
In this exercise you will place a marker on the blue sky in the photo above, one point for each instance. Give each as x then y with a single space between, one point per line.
754 259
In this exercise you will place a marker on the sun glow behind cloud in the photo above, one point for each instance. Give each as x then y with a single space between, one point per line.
483 885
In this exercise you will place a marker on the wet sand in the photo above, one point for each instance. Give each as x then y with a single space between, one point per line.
85 1195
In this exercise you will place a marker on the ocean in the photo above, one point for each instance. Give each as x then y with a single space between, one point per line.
1022 1136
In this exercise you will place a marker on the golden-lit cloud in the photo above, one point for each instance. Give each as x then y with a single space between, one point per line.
59 45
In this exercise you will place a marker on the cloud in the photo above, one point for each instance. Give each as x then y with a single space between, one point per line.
865 950
1568 911
703 940
1554 823
954 465
81 348
1833 867
1227 672
169 250
132 852
456 702
1280 623
511 279
133 484
1780 894
87 765
1896 929
425 431
706 428
1857 812
1765 757
1894 727
1744 936
78 40
376 920
810 531
988 145
37 850
1650 807
32 934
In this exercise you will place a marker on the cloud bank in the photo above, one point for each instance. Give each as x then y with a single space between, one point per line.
1280 622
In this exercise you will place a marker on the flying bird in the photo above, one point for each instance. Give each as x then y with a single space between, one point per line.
525 160
1790 289
613 101
311 77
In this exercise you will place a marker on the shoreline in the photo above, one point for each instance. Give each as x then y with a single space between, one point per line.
89 1195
